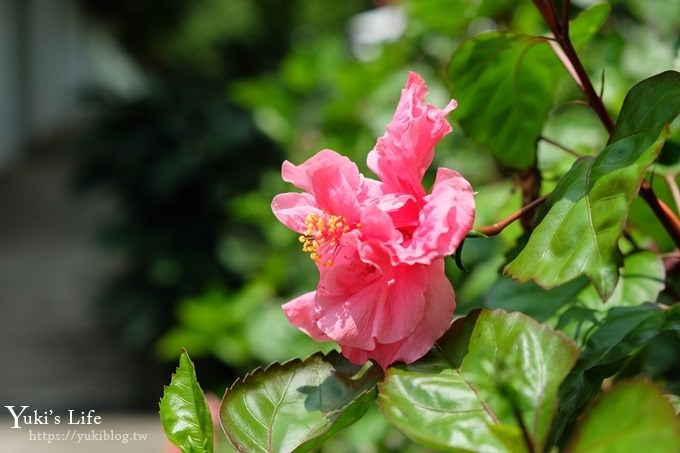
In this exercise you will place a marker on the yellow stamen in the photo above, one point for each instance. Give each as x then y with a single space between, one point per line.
323 236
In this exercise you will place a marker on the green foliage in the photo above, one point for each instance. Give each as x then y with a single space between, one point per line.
505 84
237 86
514 93
241 329
584 216
185 415
297 405
529 298
170 179
632 416
614 341
490 384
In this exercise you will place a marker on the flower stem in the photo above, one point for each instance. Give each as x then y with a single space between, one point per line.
496 228
673 186
560 146
665 215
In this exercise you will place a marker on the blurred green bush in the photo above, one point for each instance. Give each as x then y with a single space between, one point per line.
236 86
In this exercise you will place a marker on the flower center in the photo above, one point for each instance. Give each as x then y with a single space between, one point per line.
322 237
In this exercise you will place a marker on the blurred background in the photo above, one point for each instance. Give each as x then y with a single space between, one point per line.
140 147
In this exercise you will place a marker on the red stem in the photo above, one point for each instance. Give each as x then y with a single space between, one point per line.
561 31
496 228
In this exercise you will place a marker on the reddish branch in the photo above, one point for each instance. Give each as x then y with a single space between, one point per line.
496 228
664 213
560 28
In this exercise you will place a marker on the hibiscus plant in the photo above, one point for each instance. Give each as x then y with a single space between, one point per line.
498 378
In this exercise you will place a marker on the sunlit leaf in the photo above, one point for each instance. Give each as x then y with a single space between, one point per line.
297 405
490 385
641 280
185 415
633 416
584 216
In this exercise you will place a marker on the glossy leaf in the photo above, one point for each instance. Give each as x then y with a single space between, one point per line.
297 405
185 415
504 84
583 217
649 105
622 332
489 385
530 299
641 280
633 416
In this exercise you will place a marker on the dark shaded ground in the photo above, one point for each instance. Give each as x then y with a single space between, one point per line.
54 355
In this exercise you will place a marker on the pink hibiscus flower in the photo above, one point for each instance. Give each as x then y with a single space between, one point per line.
380 245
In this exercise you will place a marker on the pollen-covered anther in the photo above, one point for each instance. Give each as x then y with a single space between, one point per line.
322 237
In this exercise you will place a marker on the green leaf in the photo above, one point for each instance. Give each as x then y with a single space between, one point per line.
649 106
505 84
623 331
184 411
297 405
430 13
489 385
530 299
642 280
583 217
587 24
633 416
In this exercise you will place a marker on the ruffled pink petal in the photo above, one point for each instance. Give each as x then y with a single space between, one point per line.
348 320
349 272
397 299
370 301
301 175
335 188
301 312
445 219
376 225
348 295
369 189
356 355
403 305
292 209
326 175
402 156
435 322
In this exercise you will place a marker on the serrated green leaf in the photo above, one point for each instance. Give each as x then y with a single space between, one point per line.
583 217
185 415
297 405
622 332
633 416
490 384
505 84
